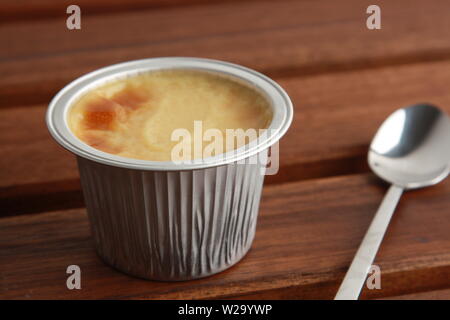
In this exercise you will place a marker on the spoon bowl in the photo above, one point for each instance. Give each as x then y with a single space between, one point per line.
412 147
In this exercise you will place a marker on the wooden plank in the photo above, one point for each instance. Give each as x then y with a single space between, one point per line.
429 295
324 138
50 37
285 39
306 237
13 10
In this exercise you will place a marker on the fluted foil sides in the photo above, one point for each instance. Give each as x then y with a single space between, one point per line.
172 225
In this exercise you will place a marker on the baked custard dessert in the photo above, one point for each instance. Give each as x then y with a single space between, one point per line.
136 116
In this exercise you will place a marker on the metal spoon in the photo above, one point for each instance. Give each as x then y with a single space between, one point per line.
410 150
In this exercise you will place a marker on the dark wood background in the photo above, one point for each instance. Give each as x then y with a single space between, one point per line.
344 81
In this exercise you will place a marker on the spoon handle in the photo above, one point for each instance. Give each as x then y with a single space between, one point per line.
356 275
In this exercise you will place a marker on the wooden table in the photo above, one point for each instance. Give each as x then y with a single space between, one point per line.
344 80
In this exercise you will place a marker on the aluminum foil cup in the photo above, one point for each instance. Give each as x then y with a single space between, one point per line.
162 220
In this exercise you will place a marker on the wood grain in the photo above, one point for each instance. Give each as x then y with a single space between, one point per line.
287 39
310 230
324 139
50 37
443 294
13 10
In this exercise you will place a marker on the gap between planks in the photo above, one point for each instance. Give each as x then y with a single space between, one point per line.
66 194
